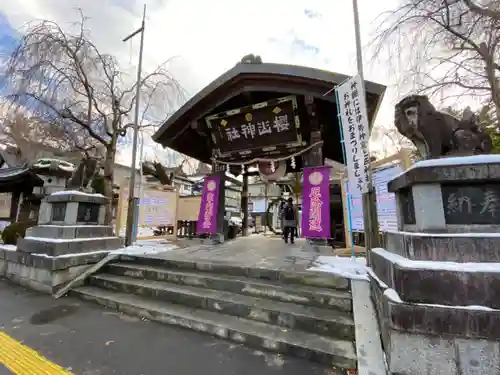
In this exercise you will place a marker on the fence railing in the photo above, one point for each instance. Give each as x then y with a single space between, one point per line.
186 229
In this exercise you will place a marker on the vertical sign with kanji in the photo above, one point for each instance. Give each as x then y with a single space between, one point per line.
316 203
355 130
209 207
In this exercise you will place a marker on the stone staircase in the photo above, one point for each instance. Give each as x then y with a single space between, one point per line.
305 314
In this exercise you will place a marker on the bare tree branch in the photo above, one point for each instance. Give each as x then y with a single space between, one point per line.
448 48
63 79
487 12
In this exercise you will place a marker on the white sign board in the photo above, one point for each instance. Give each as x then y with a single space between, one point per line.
386 202
355 131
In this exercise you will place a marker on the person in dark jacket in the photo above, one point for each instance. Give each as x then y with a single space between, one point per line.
289 219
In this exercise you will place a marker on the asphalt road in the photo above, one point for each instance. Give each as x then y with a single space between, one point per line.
90 340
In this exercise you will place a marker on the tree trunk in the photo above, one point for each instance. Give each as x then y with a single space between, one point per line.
492 78
495 92
108 179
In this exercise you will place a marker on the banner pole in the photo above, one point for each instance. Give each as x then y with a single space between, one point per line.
344 157
369 198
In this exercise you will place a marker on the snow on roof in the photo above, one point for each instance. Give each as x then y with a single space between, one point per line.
61 164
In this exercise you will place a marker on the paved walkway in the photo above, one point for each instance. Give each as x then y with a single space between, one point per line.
88 340
257 251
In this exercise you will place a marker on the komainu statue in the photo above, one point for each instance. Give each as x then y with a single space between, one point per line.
251 59
83 175
162 174
437 134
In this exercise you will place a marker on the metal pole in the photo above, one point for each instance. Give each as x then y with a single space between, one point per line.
370 218
131 197
266 192
141 156
141 189
359 52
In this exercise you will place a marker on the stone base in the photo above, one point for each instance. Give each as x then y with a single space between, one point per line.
434 283
42 273
70 231
449 247
426 339
57 247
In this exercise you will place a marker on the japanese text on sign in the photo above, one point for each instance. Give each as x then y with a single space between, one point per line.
471 204
271 123
262 128
355 130
316 202
315 220
210 197
386 201
209 211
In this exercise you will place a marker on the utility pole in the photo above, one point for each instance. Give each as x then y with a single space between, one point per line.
370 218
141 157
132 200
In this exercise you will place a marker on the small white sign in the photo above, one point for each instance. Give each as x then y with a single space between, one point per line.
386 201
356 133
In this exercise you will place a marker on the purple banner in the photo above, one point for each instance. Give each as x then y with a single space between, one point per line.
209 207
316 203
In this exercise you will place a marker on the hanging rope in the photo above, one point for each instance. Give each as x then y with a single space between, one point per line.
255 160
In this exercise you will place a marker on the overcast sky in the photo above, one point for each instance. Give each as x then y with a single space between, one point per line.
209 37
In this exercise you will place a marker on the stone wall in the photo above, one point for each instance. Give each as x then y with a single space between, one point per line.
430 340
42 273
436 286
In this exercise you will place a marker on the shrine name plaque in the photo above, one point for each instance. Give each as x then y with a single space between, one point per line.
261 125
88 213
58 211
476 204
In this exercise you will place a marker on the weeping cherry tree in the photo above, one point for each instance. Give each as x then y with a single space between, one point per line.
63 78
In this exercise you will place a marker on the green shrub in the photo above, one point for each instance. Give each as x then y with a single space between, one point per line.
98 184
15 230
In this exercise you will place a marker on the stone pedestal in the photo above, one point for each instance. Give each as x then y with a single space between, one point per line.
437 285
70 222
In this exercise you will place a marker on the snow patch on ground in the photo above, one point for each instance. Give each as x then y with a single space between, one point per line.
352 268
141 232
146 247
437 265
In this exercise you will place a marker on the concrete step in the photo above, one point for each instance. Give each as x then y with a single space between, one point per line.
311 319
337 353
286 277
304 295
